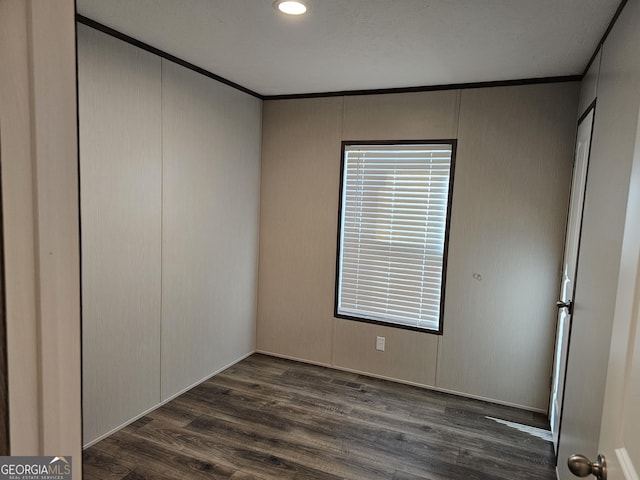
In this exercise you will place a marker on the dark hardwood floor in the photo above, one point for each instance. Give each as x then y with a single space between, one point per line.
267 418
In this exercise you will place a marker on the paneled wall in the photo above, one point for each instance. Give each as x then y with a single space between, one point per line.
121 182
513 172
614 78
299 198
513 175
211 154
169 200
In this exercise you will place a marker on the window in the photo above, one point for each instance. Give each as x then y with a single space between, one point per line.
393 231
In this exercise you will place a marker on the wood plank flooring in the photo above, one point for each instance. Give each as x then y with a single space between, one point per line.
267 418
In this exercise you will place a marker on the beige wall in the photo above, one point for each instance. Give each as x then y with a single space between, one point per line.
211 193
589 86
121 185
599 262
19 232
509 209
299 198
170 163
39 173
513 175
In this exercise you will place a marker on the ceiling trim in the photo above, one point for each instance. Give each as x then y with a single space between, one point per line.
430 88
344 93
145 46
605 35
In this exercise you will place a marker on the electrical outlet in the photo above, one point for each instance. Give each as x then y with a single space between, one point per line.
380 343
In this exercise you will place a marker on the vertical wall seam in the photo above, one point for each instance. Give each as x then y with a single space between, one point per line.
35 224
80 270
161 226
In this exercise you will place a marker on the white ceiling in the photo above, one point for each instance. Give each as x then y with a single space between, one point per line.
366 44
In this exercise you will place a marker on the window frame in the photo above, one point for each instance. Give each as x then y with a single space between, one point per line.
453 143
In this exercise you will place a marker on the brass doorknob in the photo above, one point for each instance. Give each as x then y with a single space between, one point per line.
581 466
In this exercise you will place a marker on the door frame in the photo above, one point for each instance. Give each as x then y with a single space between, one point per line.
38 115
590 109
624 338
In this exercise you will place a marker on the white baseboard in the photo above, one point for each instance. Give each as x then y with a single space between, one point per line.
405 382
626 465
146 412
321 364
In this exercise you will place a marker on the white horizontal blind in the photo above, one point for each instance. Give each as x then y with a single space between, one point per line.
393 226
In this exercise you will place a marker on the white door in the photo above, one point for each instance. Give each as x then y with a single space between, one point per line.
572 243
620 429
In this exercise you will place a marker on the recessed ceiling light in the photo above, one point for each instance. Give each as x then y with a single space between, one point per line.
290 7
